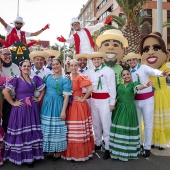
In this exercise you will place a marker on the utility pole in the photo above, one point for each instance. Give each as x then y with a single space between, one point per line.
18 9
159 16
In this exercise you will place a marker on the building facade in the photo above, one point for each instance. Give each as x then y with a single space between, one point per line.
97 10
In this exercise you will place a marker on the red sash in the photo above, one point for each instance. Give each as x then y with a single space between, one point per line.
100 95
77 40
144 96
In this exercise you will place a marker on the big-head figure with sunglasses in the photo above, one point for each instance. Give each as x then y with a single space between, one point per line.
155 55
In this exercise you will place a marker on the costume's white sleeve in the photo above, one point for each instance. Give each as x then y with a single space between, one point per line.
8 29
27 34
153 72
95 27
111 86
70 40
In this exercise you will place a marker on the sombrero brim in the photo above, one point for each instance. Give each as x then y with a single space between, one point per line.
82 55
53 53
126 58
97 55
104 37
34 54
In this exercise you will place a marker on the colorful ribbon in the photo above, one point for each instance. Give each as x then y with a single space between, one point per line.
27 101
57 87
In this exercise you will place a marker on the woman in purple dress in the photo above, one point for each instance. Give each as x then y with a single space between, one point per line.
23 140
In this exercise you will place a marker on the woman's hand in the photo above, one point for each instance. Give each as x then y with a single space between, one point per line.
63 116
35 99
79 99
149 83
17 103
112 108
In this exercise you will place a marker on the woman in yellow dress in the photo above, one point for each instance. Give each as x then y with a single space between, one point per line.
154 54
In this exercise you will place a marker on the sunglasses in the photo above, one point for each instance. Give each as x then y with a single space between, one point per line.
6 54
51 56
75 24
19 23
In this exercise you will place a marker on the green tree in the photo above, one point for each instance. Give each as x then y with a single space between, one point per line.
2 37
167 24
131 9
69 51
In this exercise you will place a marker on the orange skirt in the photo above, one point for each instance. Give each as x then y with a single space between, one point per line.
80 139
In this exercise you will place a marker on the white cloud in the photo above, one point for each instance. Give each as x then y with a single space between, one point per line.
37 13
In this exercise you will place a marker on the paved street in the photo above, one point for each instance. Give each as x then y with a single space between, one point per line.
97 163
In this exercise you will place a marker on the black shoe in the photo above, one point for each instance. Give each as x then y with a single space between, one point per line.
97 147
30 165
56 158
50 156
152 146
146 153
73 161
106 155
160 148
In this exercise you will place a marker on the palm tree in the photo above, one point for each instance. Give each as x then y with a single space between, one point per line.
131 9
166 24
120 22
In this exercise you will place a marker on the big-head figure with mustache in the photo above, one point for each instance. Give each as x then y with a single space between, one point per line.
154 54
113 43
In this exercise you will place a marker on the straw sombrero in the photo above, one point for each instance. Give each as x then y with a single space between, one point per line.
112 34
131 56
97 55
82 55
53 53
34 54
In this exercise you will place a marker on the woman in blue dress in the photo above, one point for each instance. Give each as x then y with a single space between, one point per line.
53 111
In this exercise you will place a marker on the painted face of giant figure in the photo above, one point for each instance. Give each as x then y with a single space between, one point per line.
153 50
19 52
113 44
114 51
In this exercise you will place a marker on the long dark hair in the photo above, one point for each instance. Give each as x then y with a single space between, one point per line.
124 70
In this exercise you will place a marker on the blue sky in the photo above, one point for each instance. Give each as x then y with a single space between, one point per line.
37 13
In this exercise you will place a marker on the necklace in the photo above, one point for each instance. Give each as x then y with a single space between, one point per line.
29 84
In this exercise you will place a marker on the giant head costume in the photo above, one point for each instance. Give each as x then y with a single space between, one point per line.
153 50
113 43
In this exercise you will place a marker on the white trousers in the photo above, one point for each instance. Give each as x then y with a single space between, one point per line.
101 117
145 109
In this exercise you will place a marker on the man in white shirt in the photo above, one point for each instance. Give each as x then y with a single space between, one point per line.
102 100
144 99
83 69
82 37
52 54
38 58
15 34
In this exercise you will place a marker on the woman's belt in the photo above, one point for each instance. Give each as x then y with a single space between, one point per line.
100 95
144 96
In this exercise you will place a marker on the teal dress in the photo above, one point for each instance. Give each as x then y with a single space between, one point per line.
124 132
53 128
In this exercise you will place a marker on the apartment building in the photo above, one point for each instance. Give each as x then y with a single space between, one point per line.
97 10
